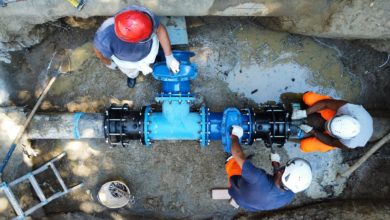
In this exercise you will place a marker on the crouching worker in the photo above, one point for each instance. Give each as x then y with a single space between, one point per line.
130 41
333 124
255 190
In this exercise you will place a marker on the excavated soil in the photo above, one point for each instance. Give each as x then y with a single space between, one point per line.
240 64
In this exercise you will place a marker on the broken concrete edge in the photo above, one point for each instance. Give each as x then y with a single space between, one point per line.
330 19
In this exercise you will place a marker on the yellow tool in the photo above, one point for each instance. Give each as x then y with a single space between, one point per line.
79 4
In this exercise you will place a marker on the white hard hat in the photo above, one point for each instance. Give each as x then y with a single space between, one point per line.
344 127
114 194
297 175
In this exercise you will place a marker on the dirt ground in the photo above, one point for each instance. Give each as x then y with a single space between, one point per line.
240 64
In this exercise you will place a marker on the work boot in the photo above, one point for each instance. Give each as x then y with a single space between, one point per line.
131 82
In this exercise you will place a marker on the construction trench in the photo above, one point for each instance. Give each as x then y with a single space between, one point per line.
241 63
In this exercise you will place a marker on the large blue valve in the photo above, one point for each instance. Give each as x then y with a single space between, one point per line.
172 118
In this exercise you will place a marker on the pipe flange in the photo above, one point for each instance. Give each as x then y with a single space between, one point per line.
147 112
204 136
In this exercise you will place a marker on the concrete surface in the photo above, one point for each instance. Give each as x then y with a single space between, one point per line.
174 179
356 19
26 23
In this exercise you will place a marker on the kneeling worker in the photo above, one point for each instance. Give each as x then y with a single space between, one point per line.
255 190
333 123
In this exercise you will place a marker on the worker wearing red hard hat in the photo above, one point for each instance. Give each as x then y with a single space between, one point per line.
130 41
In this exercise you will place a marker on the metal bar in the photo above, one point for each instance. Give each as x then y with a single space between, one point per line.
40 169
118 143
46 165
57 157
275 110
51 198
121 125
27 122
34 208
59 178
37 188
59 194
19 180
115 119
12 199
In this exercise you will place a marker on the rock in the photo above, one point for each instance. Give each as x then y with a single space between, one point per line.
341 19
379 45
381 128
5 56
83 23
328 18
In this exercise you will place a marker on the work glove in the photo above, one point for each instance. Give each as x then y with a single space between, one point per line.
172 63
306 128
237 131
298 114
275 157
112 66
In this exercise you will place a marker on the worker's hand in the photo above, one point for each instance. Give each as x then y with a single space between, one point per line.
172 63
237 131
298 114
112 66
275 157
306 128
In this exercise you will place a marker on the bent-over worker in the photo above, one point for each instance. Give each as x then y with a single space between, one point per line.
255 190
333 124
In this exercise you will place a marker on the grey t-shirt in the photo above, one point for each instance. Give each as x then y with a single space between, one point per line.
366 125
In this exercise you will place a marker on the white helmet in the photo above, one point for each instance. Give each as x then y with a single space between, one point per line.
114 194
343 126
297 175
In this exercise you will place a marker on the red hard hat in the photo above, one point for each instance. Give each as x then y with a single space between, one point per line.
133 26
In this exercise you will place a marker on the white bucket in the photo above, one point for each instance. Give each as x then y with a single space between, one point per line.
114 194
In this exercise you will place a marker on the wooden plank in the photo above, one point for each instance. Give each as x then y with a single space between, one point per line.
220 194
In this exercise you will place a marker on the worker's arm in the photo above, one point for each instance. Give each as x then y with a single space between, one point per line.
163 37
275 161
278 177
325 104
101 57
326 139
171 61
236 151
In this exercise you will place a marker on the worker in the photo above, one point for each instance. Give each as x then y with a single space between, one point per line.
130 41
332 123
255 190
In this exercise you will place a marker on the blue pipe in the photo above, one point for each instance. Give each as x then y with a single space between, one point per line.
178 121
215 120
